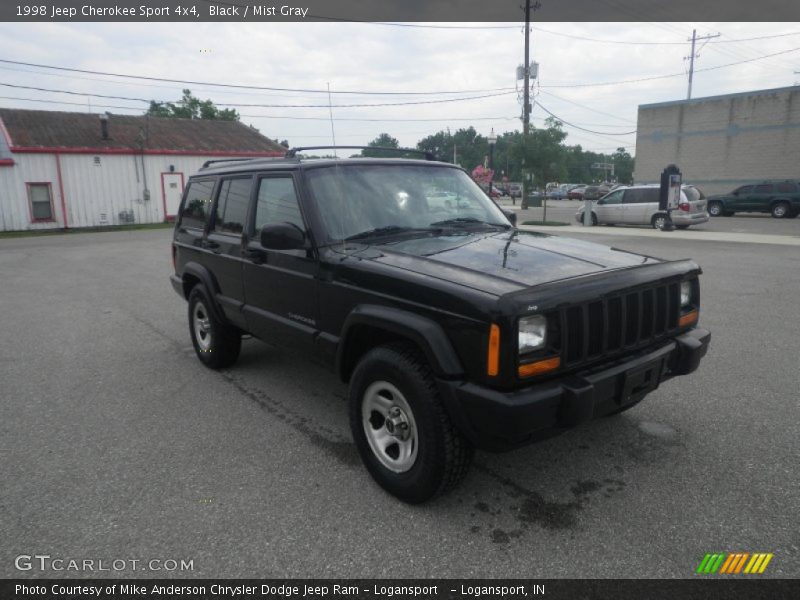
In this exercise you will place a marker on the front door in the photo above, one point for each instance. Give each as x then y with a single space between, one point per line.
172 191
280 286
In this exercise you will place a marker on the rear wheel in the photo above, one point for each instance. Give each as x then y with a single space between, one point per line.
403 434
216 343
715 209
781 210
658 221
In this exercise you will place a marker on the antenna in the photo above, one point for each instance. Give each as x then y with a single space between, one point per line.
330 110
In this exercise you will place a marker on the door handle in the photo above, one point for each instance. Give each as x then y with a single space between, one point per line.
256 255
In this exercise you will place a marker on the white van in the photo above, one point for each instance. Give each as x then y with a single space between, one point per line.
638 205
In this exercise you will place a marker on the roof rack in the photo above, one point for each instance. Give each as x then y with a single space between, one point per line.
293 152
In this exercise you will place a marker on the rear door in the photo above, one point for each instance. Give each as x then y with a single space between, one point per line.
224 243
761 198
633 206
280 286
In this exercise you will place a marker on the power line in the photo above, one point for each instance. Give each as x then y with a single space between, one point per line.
26 87
600 112
250 87
539 104
654 77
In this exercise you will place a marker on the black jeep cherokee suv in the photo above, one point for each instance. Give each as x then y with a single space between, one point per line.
454 329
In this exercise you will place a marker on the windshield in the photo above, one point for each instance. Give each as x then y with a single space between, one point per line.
355 201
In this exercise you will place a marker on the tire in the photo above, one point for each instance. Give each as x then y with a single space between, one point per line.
658 221
715 209
781 210
401 430
216 343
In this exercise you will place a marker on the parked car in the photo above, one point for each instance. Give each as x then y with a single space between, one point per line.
780 198
576 193
593 192
453 329
515 190
638 205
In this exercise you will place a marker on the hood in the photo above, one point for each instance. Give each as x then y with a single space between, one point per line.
501 263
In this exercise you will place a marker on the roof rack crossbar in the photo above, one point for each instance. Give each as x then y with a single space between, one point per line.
292 153
220 160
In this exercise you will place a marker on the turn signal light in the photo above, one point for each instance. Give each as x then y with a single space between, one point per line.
688 318
539 367
493 354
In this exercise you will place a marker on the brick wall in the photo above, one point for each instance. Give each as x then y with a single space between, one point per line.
722 141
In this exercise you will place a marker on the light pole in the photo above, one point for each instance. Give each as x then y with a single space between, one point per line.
492 142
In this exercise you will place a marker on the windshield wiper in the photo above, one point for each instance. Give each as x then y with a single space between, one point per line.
385 231
467 221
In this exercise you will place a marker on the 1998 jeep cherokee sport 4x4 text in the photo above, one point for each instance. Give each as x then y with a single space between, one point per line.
454 329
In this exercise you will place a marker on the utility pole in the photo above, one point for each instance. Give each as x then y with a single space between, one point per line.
526 99
692 56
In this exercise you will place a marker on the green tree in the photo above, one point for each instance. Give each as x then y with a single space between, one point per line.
623 165
190 107
384 140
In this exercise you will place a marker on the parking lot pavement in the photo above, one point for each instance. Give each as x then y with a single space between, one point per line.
117 443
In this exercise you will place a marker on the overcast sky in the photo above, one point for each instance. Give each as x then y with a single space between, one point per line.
383 58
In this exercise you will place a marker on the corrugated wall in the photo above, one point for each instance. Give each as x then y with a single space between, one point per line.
94 194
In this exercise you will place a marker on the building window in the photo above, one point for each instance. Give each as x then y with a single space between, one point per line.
41 199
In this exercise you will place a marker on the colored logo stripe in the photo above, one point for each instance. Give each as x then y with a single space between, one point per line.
734 563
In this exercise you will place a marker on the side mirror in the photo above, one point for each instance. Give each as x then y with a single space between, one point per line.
282 236
601 201
511 216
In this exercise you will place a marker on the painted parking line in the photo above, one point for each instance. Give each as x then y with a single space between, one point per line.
707 236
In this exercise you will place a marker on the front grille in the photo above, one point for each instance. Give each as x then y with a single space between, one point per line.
618 322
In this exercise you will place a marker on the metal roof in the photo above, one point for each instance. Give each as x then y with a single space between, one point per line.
41 129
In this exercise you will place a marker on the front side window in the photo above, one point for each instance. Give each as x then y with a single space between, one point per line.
613 198
765 188
277 203
196 207
744 190
234 196
355 199
41 201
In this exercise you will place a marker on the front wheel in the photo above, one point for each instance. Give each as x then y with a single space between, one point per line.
401 430
715 209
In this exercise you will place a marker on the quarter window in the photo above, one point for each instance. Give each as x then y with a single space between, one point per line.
234 196
196 207
41 201
277 203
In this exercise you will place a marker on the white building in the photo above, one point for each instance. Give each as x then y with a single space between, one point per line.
61 170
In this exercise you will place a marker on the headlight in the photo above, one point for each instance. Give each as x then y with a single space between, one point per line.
532 333
686 293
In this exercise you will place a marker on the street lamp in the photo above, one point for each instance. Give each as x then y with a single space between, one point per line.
492 142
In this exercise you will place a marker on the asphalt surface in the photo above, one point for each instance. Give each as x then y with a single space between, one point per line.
116 443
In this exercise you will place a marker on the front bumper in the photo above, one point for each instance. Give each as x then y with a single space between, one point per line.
497 420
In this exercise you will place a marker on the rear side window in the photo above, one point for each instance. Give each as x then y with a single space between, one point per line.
765 188
277 203
234 196
197 205
641 196
786 188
